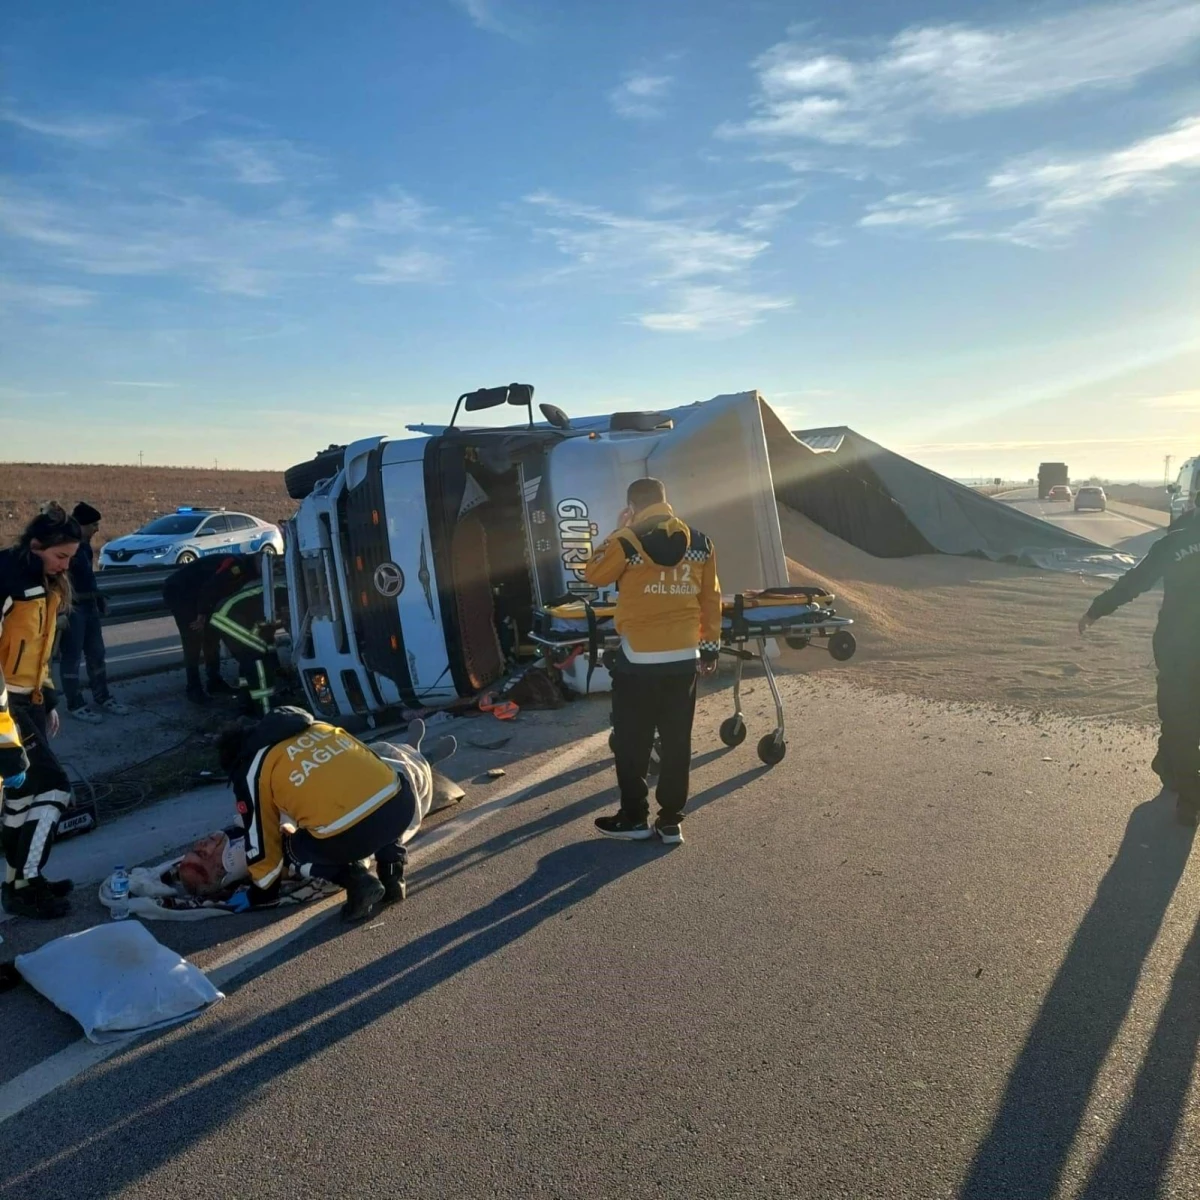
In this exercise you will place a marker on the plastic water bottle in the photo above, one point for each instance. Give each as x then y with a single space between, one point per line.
118 889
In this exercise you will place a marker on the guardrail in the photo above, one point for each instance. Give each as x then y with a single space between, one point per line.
135 593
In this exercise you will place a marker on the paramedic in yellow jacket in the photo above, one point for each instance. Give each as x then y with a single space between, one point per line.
35 588
339 801
669 619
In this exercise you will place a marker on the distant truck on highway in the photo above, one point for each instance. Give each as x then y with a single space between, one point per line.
1052 475
1183 490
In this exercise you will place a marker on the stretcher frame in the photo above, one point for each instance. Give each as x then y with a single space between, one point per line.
818 622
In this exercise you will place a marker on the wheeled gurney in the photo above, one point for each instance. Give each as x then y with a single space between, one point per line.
801 616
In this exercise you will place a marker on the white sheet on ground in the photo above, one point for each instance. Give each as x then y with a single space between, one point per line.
117 980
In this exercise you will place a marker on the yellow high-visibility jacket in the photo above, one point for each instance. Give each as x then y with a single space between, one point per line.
668 597
309 774
28 610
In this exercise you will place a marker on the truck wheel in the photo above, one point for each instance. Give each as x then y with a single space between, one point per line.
842 645
733 731
772 749
303 477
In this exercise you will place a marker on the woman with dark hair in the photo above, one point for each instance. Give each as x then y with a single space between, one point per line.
35 587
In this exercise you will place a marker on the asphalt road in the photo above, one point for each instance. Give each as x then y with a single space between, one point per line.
1111 528
938 952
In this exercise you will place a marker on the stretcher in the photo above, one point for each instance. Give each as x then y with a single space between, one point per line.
802 616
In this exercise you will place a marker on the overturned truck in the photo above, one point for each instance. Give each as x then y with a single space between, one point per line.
415 565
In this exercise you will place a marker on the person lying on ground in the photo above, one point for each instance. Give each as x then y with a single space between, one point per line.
342 804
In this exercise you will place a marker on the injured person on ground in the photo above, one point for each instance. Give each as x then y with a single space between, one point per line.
316 804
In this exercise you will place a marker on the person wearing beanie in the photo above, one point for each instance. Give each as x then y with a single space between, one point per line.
83 638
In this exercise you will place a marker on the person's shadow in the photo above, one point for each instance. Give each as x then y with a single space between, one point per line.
1040 1114
189 1086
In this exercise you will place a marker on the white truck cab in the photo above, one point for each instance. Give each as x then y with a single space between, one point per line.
415 564
1183 490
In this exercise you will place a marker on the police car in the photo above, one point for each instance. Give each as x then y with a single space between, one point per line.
191 533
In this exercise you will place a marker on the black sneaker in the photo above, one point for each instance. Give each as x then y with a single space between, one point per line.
218 687
672 835
363 892
391 875
35 900
60 887
624 828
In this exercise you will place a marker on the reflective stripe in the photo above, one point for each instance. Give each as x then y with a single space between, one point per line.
658 656
355 815
239 633
270 877
254 825
47 819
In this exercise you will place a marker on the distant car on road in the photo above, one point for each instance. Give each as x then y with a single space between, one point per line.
1091 498
191 533
1060 492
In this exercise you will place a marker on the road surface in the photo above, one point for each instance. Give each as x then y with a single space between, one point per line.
938 952
1112 528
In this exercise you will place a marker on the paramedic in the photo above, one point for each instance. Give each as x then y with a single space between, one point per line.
669 619
342 802
83 637
239 622
192 593
1175 560
35 586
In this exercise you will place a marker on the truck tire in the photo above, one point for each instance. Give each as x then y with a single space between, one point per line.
303 477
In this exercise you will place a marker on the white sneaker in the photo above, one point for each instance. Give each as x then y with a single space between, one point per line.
116 708
89 716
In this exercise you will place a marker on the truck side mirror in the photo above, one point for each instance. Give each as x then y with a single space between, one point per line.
1172 489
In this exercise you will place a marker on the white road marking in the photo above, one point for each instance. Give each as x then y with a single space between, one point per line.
52 1073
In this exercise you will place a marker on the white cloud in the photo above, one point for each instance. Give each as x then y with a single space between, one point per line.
1185 402
96 131
661 249
1043 200
640 96
414 266
207 244
908 208
43 297
958 70
712 307
764 217
257 163
484 16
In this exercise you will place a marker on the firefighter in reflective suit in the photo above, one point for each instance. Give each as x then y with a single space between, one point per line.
316 803
239 622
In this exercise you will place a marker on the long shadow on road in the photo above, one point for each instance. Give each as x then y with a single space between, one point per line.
175 1095
1039 1117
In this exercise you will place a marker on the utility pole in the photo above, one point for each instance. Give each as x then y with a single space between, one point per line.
140 463
215 464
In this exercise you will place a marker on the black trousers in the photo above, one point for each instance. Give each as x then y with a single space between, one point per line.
645 705
196 643
30 814
83 639
1177 762
379 834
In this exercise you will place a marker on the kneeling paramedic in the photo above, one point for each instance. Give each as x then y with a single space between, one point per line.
669 619
1175 560
342 802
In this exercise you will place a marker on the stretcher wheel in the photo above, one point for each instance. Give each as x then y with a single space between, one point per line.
842 645
797 643
733 730
772 749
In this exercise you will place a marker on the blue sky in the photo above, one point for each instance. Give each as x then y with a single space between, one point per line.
242 231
